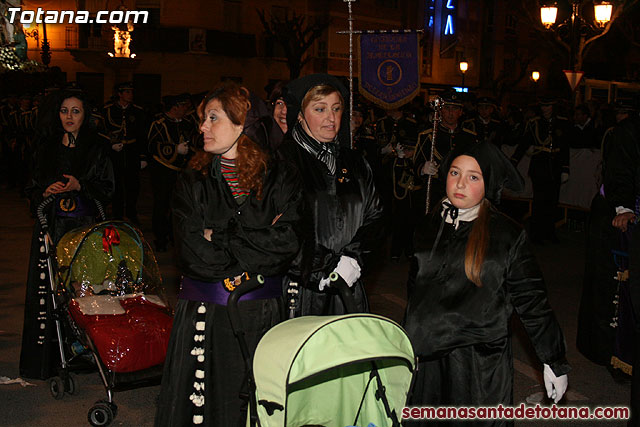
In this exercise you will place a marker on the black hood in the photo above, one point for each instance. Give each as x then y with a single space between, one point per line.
295 91
497 171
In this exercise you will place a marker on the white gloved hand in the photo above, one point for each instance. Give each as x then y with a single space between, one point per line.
117 147
323 283
429 168
386 149
556 386
564 177
143 164
183 148
348 269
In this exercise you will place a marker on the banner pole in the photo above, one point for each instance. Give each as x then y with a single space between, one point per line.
350 70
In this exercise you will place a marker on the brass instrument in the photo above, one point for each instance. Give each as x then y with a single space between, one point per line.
437 107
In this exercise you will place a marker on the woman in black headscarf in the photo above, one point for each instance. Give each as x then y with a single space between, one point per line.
343 214
473 268
71 165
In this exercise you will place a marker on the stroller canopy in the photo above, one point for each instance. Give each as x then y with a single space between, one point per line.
110 257
320 370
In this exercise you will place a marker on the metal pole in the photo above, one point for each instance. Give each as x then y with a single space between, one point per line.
350 19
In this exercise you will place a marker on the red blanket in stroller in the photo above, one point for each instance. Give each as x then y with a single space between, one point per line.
133 339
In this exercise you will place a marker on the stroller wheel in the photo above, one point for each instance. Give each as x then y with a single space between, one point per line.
56 387
102 413
71 386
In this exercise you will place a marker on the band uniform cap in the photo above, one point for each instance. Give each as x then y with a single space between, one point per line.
547 100
485 100
183 98
452 98
169 101
124 86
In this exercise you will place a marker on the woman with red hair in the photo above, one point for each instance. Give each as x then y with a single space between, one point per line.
235 215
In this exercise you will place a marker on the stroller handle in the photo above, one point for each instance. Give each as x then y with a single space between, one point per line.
234 316
345 292
42 218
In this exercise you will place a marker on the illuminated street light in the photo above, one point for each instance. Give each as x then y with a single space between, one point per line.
602 13
464 66
535 76
548 15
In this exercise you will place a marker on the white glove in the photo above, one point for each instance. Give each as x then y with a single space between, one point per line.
347 268
143 164
386 149
429 168
183 148
556 386
117 147
564 177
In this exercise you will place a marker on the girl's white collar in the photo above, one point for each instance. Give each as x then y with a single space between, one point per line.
466 215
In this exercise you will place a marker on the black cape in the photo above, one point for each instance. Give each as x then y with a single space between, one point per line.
460 332
342 216
90 164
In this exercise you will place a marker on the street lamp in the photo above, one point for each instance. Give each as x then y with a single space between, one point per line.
535 76
464 66
576 28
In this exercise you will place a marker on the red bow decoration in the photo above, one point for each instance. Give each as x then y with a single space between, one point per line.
110 237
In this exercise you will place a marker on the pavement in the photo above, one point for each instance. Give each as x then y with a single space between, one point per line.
32 404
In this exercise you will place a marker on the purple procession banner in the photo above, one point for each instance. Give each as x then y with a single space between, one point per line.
389 68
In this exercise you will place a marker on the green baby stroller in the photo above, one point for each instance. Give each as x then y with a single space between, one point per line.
348 370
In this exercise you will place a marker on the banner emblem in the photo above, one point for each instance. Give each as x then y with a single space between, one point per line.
389 68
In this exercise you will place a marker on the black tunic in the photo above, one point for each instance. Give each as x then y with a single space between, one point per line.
342 216
460 332
245 239
90 164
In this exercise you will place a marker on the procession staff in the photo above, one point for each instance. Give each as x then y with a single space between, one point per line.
473 269
547 137
127 128
449 135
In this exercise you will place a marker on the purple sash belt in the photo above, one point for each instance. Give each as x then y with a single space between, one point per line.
196 290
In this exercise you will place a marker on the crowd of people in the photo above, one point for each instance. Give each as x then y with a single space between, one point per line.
291 189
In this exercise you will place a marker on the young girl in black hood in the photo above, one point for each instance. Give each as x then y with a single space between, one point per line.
473 268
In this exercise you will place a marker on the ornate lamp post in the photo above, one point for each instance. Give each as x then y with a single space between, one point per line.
464 66
576 32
